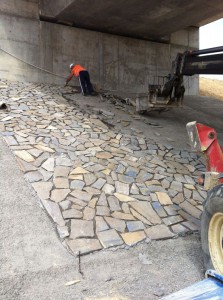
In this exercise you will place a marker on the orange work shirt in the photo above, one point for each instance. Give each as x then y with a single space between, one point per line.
76 70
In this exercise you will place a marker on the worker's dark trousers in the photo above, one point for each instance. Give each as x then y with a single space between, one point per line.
85 83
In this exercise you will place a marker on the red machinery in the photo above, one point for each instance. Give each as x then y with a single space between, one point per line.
204 139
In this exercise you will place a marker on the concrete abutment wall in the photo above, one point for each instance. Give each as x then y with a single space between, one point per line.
115 62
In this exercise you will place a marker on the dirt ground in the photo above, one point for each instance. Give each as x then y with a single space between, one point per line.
211 88
35 266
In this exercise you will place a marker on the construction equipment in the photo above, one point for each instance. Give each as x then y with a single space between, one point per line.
168 91
210 288
204 139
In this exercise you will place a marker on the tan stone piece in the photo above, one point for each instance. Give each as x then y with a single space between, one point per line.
119 215
163 198
189 186
104 155
124 198
58 195
43 189
132 238
44 148
78 171
23 154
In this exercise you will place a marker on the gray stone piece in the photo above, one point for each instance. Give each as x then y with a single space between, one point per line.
89 213
62 231
113 203
34 176
159 232
81 229
99 183
110 238
146 210
77 184
116 224
54 212
102 211
84 246
135 225
43 189
122 188
101 225
72 214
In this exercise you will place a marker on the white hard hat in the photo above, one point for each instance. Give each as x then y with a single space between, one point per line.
71 66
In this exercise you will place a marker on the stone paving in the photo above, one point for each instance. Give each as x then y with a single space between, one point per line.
101 187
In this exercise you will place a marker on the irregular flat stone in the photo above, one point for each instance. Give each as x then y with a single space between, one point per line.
89 178
178 199
84 246
25 166
101 225
177 186
66 204
102 200
191 225
145 209
143 176
92 203
126 179
172 220
77 184
58 195
108 189
163 198
178 229
54 212
122 216
61 183
61 171
189 186
109 238
44 148
159 232
99 183
102 211
132 238
124 198
139 217
98 123
81 228
116 224
62 231
104 155
23 154
72 214
113 203
89 213
10 140
78 171
49 164
125 208
34 176
122 188
81 195
43 189
135 225
159 209
64 161
190 209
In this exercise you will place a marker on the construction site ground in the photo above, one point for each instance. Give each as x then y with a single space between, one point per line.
35 263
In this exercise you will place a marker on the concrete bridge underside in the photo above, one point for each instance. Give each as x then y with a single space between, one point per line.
146 19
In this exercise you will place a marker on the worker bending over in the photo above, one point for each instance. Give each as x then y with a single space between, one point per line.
84 78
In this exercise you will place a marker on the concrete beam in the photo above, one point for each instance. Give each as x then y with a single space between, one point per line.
153 20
